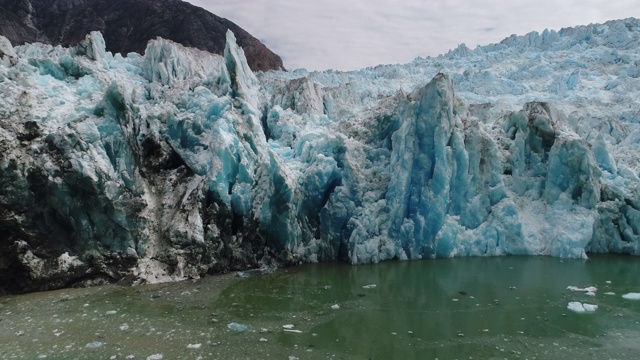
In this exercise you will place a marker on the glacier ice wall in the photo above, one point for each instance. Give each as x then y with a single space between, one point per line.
178 163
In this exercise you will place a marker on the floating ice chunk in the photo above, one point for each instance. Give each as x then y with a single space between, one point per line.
124 327
632 296
293 331
93 345
288 326
609 293
111 312
236 327
194 346
370 286
155 357
335 306
590 293
263 340
589 289
579 307
575 307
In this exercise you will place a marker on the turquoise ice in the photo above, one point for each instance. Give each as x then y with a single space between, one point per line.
177 163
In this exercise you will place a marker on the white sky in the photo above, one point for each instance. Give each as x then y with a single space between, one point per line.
352 34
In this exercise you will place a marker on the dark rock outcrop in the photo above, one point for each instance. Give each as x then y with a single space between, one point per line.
127 26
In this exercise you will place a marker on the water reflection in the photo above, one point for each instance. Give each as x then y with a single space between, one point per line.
513 307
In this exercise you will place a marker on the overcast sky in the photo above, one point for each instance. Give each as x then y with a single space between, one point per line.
352 34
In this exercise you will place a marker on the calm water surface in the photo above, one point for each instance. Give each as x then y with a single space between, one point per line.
468 308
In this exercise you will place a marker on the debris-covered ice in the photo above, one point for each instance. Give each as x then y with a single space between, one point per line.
236 327
93 345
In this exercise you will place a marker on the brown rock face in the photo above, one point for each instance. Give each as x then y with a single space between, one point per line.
127 26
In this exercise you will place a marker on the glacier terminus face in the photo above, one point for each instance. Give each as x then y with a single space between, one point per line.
178 163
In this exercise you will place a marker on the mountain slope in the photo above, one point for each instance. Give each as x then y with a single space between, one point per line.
127 26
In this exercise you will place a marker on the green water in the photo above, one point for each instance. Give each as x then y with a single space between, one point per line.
469 308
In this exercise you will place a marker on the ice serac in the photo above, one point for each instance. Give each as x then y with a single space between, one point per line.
179 163
93 46
457 190
424 158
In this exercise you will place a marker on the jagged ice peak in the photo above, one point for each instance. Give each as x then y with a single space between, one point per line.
178 162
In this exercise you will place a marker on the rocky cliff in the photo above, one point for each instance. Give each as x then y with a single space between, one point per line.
127 26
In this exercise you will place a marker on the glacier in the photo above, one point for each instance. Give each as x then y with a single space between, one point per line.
179 163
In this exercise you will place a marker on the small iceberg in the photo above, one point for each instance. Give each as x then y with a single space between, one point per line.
93 345
579 307
587 289
289 328
591 290
632 296
236 327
